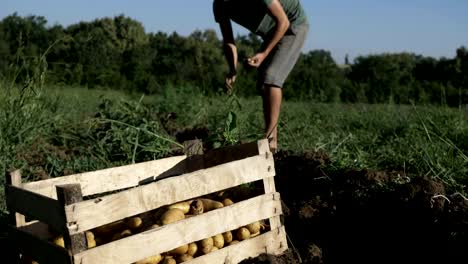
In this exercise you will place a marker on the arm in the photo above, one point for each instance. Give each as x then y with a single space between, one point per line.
276 11
229 46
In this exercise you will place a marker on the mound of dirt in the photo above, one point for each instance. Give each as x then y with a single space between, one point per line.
366 217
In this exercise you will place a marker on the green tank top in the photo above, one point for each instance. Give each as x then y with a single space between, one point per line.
253 14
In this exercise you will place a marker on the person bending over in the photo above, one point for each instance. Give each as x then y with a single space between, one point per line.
283 26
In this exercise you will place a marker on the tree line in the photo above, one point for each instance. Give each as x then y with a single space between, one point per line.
117 53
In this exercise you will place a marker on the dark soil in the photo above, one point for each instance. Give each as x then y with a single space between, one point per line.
366 217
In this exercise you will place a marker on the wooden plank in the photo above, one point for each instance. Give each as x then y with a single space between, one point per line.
39 250
100 211
109 179
39 207
70 194
14 179
171 236
37 229
269 183
273 243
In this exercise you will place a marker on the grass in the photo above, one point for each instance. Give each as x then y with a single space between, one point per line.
62 130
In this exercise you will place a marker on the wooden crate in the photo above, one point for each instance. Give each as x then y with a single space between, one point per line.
58 204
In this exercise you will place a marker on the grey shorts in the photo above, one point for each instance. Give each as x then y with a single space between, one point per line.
280 62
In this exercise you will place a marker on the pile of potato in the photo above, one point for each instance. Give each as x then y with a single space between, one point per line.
167 215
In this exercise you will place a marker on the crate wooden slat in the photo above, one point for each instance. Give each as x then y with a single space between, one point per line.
168 237
36 205
43 251
38 229
107 180
269 183
273 242
123 177
100 211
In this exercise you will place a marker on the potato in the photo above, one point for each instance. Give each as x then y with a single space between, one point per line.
206 245
169 260
218 241
153 227
183 206
243 233
192 249
227 202
110 229
179 251
254 234
121 235
59 241
150 260
209 204
233 242
171 216
90 240
134 222
184 258
227 237
213 249
196 207
254 227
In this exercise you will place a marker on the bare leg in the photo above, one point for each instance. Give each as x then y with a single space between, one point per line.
272 97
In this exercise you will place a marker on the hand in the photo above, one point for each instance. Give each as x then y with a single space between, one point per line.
229 82
256 60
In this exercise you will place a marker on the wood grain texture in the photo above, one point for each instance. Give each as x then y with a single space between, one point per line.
39 207
273 242
69 194
97 212
192 229
37 229
14 178
108 179
269 183
39 250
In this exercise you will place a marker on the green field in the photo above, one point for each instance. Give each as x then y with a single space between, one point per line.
61 130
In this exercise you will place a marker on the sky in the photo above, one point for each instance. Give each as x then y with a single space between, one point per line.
355 27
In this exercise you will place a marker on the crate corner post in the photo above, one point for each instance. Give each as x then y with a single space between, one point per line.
69 194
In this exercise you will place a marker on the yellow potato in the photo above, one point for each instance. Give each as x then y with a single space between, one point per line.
121 235
209 204
150 260
243 233
112 228
153 227
192 249
184 258
59 241
183 206
254 227
179 251
254 234
227 202
171 216
134 222
218 241
227 236
206 245
213 249
90 240
196 207
169 260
